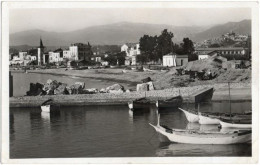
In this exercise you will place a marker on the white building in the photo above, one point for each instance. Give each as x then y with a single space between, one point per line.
22 55
131 49
205 55
55 57
66 54
74 53
169 60
174 59
104 63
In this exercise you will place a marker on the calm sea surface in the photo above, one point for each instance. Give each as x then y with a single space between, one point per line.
110 131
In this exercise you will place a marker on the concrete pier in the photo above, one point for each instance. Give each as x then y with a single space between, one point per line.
189 94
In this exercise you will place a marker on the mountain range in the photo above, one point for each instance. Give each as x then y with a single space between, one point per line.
125 32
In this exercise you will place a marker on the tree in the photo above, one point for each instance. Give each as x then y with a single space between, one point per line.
164 44
147 46
120 57
111 60
187 46
142 58
88 53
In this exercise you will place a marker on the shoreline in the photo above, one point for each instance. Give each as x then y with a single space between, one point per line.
220 95
131 83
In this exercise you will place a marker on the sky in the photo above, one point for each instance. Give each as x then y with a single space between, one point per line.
63 20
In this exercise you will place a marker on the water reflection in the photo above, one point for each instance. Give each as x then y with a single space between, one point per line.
101 131
176 149
222 107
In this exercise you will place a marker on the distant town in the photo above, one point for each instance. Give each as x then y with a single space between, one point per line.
150 50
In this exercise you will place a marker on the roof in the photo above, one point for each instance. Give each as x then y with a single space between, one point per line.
182 56
220 48
171 54
58 50
131 44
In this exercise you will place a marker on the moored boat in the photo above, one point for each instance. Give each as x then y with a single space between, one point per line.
211 117
206 119
235 123
48 106
191 116
139 104
203 137
172 102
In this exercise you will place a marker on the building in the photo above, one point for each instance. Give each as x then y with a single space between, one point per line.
80 51
174 59
41 49
104 63
233 51
206 55
169 60
66 54
22 55
181 60
131 49
55 57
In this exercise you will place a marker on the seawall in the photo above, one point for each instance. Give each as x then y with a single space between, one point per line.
238 93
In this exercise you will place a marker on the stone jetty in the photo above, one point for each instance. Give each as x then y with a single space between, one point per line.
116 98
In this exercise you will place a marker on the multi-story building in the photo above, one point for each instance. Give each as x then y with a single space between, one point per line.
78 51
54 57
131 50
81 51
22 55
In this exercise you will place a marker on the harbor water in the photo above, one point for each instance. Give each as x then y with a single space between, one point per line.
111 131
106 131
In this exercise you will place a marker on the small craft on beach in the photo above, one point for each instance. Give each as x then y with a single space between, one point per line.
172 102
203 137
48 106
141 103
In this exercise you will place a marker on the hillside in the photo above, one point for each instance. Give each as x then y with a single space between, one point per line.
112 34
119 33
242 27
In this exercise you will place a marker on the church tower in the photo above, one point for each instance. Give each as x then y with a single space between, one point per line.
40 53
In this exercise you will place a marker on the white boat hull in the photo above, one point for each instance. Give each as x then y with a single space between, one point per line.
46 108
203 138
190 116
231 125
208 120
131 105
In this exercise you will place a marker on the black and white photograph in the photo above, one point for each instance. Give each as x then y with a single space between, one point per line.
130 82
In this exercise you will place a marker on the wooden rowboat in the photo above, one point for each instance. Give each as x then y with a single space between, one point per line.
141 103
172 102
199 137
